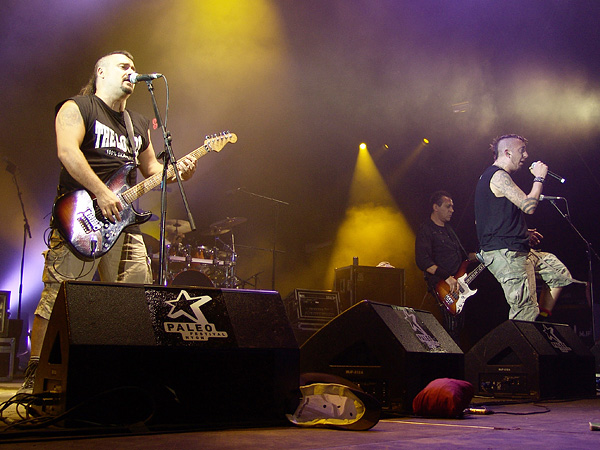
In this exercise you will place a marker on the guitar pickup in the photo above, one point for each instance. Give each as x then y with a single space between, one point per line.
88 221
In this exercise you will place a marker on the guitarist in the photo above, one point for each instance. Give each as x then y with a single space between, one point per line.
439 254
93 143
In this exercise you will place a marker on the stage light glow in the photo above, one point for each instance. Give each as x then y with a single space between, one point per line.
362 146
403 168
565 104
374 229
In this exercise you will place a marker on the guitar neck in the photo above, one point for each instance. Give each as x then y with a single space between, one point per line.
135 192
474 273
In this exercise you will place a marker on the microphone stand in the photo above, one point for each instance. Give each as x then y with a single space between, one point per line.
169 160
274 251
11 168
589 252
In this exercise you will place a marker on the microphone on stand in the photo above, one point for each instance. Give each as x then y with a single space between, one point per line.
10 167
137 77
550 197
552 174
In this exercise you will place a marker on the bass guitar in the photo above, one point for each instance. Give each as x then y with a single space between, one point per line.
454 302
82 225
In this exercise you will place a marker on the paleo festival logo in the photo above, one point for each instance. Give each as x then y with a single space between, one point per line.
199 329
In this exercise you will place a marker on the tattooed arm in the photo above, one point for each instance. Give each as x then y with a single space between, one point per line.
70 131
502 185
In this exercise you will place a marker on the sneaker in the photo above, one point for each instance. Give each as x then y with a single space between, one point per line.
27 387
336 406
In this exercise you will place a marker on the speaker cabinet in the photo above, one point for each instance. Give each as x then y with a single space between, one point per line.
578 317
170 356
531 360
377 284
4 313
392 352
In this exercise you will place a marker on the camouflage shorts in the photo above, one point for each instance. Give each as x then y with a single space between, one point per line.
517 273
126 261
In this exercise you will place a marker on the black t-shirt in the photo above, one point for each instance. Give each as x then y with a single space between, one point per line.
438 246
500 224
105 144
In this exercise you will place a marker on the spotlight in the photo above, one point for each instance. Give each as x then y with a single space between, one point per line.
425 141
362 146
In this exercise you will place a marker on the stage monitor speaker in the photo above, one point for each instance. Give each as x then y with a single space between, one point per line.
392 352
377 284
170 356
531 360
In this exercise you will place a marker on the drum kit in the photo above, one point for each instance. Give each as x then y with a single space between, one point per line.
189 263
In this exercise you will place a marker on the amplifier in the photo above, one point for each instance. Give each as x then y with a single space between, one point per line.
311 309
379 284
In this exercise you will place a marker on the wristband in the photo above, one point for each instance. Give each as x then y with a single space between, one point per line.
539 179
439 272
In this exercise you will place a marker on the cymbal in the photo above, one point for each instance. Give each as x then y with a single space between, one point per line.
177 226
215 231
229 222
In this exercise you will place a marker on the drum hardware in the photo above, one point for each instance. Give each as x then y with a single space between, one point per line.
223 226
230 222
190 263
214 231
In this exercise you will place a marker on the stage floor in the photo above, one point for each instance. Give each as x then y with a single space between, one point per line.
548 425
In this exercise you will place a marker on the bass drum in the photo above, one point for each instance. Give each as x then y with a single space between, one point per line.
191 278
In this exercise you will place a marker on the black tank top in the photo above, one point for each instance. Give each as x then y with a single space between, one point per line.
500 224
105 144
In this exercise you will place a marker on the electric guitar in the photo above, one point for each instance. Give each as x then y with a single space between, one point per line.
454 302
82 225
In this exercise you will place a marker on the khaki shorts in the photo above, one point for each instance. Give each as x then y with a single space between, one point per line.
126 262
517 273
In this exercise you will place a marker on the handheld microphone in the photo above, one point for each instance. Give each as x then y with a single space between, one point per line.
550 197
137 77
552 174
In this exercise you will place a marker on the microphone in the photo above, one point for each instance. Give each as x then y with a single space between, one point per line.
550 197
10 167
137 77
552 174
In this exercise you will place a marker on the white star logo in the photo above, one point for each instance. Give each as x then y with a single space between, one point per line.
184 305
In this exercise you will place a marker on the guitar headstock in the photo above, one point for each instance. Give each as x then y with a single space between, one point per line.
216 142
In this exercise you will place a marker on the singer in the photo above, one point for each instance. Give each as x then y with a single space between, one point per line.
504 240
96 137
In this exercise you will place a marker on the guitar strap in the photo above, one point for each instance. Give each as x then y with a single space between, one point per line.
131 136
451 230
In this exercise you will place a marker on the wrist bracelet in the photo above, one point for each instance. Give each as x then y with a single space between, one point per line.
539 179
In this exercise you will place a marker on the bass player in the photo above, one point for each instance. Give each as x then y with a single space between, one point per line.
439 254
